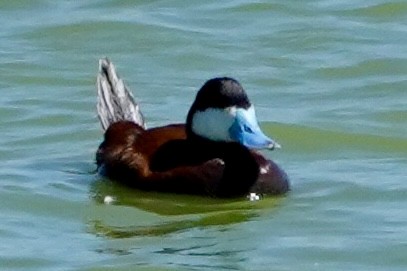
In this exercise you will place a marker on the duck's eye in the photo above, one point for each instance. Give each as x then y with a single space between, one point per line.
247 129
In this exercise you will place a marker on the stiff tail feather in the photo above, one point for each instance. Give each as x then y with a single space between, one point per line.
115 101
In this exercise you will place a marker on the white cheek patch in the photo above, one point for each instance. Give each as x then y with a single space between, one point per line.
214 123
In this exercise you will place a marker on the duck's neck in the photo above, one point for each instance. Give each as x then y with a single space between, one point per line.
199 139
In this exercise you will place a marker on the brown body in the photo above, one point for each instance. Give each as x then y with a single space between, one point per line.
163 159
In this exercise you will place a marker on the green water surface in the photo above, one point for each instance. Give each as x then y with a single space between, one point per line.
329 82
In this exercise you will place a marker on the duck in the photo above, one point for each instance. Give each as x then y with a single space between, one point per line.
216 152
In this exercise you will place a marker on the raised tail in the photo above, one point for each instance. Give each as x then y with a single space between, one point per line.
115 101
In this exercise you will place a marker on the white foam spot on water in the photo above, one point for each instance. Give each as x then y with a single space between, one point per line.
264 170
109 200
253 197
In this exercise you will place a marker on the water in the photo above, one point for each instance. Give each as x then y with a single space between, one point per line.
328 80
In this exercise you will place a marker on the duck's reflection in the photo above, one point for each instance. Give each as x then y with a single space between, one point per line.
175 212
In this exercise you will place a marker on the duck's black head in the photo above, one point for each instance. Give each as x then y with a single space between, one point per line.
222 112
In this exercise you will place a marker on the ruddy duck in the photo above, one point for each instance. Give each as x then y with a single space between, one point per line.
214 153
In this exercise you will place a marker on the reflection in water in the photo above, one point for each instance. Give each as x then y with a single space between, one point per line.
224 218
177 212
